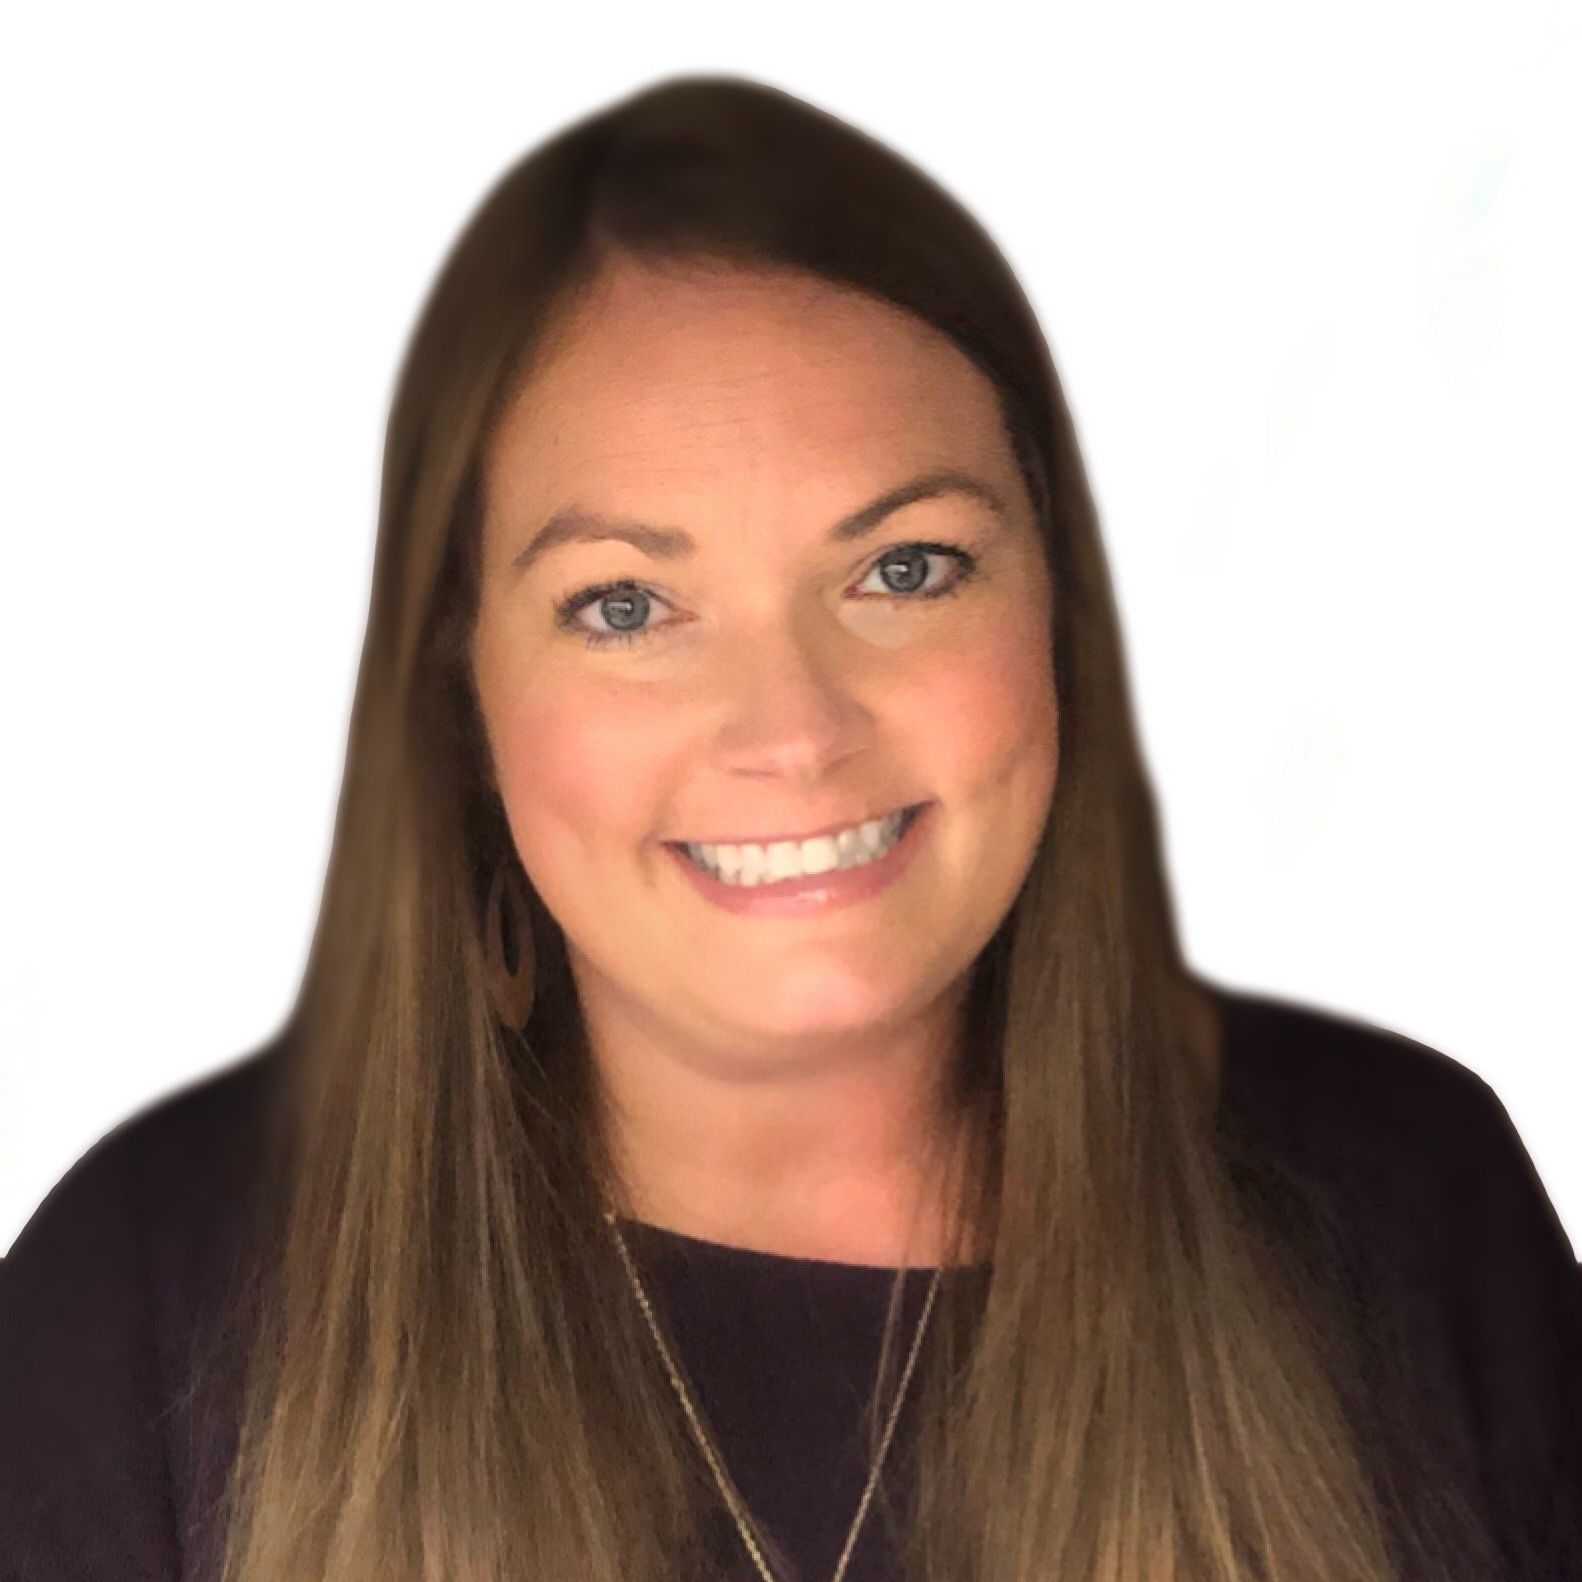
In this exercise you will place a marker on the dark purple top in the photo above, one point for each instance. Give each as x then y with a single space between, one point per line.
109 1470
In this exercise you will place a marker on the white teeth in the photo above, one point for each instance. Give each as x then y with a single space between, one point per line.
787 859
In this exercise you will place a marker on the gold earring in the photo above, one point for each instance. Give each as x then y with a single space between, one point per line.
508 947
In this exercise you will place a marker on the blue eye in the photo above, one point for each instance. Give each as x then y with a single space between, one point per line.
634 598
625 593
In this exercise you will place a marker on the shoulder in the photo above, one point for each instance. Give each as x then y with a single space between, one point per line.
100 1296
1433 1187
155 1176
1398 1127
1318 1076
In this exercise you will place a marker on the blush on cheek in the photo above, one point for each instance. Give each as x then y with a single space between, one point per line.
992 706
583 771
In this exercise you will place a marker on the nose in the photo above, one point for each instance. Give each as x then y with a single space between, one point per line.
792 709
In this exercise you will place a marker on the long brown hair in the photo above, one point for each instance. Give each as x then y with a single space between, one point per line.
449 1377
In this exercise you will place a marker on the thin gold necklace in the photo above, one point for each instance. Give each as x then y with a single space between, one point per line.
738 1515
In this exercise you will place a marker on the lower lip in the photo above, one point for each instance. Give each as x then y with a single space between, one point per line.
816 892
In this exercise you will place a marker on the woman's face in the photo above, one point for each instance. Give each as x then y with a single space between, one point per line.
764 678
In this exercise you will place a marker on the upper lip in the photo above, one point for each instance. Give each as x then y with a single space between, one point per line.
812 834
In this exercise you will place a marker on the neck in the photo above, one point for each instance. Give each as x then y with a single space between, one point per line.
864 1196
849 1158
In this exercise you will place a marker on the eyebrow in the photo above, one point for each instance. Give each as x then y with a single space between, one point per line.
573 525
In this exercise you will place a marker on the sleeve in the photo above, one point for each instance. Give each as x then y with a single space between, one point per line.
85 1493
1521 1345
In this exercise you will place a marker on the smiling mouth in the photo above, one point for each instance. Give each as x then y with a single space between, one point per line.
905 814
789 867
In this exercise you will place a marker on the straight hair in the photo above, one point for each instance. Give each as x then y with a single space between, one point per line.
447 1378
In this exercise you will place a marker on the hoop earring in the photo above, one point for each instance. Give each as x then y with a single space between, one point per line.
509 959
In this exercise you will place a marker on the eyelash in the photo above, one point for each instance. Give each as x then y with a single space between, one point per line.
567 610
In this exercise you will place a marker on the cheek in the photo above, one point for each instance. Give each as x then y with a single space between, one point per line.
577 769
992 714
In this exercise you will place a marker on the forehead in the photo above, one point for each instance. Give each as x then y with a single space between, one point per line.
686 380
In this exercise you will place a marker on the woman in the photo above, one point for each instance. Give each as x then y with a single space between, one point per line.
747 1113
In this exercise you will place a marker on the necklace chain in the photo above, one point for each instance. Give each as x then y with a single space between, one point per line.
733 1504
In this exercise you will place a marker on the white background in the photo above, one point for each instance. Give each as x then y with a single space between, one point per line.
1310 277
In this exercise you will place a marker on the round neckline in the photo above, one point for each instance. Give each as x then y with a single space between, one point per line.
661 1237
